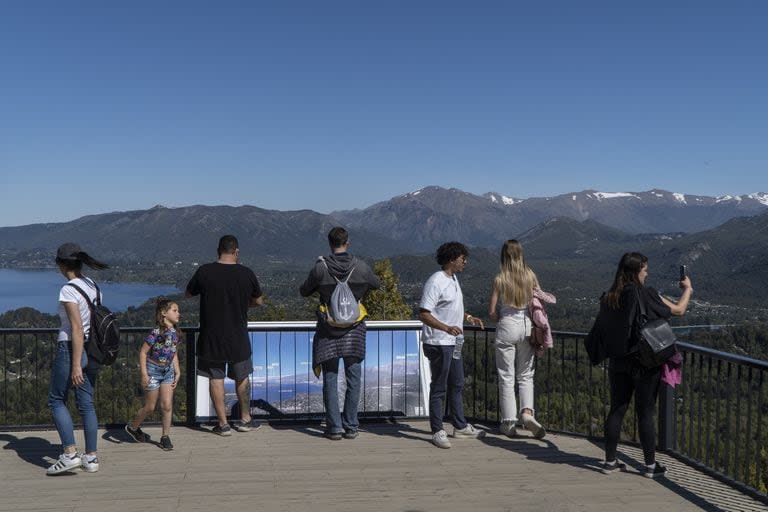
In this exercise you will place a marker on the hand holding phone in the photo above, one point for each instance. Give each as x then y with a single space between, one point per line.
683 271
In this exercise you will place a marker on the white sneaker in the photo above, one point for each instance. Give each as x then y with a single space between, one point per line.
468 431
534 426
440 439
90 465
64 464
507 428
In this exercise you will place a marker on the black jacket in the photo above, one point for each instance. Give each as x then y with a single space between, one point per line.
618 326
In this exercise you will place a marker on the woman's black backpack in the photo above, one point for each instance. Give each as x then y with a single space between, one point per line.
102 341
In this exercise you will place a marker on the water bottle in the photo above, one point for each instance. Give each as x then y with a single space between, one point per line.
458 346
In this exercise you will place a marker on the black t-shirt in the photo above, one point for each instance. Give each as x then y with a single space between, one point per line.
617 324
225 293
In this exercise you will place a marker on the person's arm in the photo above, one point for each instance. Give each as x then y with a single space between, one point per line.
473 320
193 286
310 284
143 365
373 280
78 341
257 296
492 304
681 306
428 319
176 370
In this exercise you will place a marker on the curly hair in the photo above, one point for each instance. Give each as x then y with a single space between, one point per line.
449 251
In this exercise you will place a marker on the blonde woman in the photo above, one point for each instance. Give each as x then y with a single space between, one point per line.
513 290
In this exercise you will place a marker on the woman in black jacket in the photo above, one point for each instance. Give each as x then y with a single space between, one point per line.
626 376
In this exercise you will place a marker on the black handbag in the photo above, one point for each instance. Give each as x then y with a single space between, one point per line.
656 340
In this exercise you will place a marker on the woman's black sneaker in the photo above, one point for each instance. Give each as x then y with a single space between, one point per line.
136 434
657 471
613 467
165 443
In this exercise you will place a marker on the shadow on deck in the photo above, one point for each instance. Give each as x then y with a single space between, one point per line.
391 466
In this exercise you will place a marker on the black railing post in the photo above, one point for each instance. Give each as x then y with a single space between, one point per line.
191 337
666 419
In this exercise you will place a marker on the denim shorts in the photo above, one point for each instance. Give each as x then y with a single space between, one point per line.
159 375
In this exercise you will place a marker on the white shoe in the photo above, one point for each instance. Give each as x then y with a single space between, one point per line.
90 465
534 426
468 431
507 428
440 439
64 464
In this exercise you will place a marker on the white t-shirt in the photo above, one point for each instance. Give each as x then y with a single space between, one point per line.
443 298
70 294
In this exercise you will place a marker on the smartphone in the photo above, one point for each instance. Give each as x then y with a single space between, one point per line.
683 271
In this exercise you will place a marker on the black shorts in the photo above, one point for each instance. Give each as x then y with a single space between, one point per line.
215 370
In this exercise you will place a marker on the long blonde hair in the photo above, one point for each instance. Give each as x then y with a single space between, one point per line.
515 281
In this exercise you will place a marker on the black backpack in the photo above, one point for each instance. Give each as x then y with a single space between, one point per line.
103 337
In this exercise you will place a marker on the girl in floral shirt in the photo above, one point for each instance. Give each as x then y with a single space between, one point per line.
160 373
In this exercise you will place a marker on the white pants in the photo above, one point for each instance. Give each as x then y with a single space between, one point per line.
514 362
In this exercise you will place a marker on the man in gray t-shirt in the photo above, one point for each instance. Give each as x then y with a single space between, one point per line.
441 309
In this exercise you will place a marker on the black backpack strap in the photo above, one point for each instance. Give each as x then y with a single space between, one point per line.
641 304
85 295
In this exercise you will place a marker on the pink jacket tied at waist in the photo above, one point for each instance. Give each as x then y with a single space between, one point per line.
672 371
541 334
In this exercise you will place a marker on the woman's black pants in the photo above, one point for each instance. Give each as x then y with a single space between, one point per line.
644 384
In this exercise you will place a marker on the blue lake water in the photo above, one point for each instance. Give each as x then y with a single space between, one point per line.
39 289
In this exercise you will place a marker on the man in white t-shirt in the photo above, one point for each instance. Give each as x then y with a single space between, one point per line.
441 309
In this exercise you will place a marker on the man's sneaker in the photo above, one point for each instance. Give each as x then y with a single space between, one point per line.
656 471
613 467
534 426
222 430
333 436
440 439
165 443
90 464
65 463
468 431
245 426
350 434
136 434
507 428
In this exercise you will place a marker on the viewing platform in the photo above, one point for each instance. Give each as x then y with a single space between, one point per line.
389 467
712 435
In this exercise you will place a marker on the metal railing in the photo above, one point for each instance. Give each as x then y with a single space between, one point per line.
716 420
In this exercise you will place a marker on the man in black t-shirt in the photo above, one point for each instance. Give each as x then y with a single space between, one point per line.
227 289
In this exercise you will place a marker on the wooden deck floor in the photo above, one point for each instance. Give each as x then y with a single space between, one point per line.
390 467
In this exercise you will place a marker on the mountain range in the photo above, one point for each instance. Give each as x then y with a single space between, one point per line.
431 215
411 223
574 239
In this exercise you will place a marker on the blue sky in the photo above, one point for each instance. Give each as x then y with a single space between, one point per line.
336 105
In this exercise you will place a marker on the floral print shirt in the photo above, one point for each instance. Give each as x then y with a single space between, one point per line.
162 345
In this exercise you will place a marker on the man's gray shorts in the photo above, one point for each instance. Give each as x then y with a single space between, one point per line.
216 370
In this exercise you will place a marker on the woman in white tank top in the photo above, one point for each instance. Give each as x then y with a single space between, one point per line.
70 367
512 293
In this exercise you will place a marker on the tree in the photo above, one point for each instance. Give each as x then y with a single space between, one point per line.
387 303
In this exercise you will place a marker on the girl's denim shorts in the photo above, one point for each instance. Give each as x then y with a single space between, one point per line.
159 375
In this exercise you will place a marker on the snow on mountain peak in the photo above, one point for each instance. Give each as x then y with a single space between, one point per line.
760 197
679 197
612 195
504 199
722 199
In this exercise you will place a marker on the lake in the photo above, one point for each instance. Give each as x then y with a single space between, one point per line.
39 289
